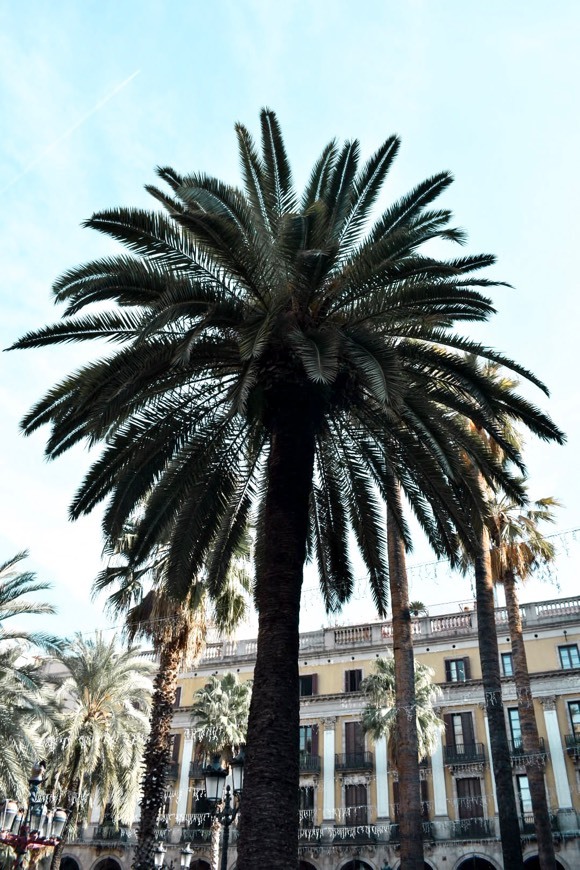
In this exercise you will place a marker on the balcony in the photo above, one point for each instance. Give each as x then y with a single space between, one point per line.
573 745
472 829
354 761
517 748
362 834
171 770
395 832
309 763
469 753
527 823
111 833
195 835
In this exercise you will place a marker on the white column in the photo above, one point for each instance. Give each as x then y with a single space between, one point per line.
183 789
382 778
488 741
96 808
328 725
438 772
557 753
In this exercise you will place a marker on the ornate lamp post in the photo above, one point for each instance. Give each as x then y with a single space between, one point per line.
223 809
35 827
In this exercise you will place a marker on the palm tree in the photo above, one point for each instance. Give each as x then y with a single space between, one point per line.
379 716
105 698
219 715
219 718
25 709
177 630
23 713
517 548
277 359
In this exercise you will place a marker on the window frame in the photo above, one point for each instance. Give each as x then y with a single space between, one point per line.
348 680
451 666
567 649
507 656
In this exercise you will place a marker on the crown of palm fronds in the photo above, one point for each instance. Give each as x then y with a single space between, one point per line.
220 713
517 543
238 309
14 585
380 713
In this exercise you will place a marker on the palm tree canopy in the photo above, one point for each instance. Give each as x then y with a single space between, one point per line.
237 308
105 696
379 718
517 543
220 713
14 585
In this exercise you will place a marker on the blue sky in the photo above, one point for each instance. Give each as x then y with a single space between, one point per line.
94 95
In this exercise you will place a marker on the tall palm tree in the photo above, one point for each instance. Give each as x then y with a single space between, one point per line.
14 585
177 630
518 547
105 697
276 349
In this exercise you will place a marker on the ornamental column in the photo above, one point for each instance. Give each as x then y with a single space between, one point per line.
382 781
328 728
566 814
441 827
183 787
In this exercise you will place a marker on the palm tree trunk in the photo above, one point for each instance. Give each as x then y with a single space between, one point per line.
157 750
410 820
269 811
530 738
489 655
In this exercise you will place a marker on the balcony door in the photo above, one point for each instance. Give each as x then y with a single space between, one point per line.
354 741
469 802
459 734
355 801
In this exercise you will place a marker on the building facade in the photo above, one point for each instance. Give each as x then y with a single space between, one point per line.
348 788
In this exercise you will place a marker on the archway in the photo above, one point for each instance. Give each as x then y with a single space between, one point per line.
107 864
69 863
476 863
305 865
200 864
356 864
533 863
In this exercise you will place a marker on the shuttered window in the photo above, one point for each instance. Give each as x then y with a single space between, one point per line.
459 730
355 801
308 685
352 680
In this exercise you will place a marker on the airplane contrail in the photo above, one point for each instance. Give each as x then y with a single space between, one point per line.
70 130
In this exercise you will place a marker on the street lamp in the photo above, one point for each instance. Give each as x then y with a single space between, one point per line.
215 777
159 857
35 827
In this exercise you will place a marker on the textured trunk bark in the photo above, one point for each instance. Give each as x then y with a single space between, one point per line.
157 752
500 753
530 738
269 809
410 819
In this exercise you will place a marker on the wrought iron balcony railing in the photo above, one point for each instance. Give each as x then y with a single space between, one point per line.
112 833
469 753
196 769
309 763
195 835
517 747
354 761
472 829
573 745
395 832
527 823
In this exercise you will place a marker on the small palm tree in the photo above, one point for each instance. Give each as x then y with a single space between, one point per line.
176 627
105 697
220 713
518 547
219 720
379 718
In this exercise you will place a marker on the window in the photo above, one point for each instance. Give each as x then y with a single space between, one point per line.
515 728
574 710
352 680
354 741
177 701
524 795
507 664
309 739
355 801
175 746
569 657
457 670
308 685
424 801
469 800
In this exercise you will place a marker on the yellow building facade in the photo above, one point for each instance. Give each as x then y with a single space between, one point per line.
348 788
